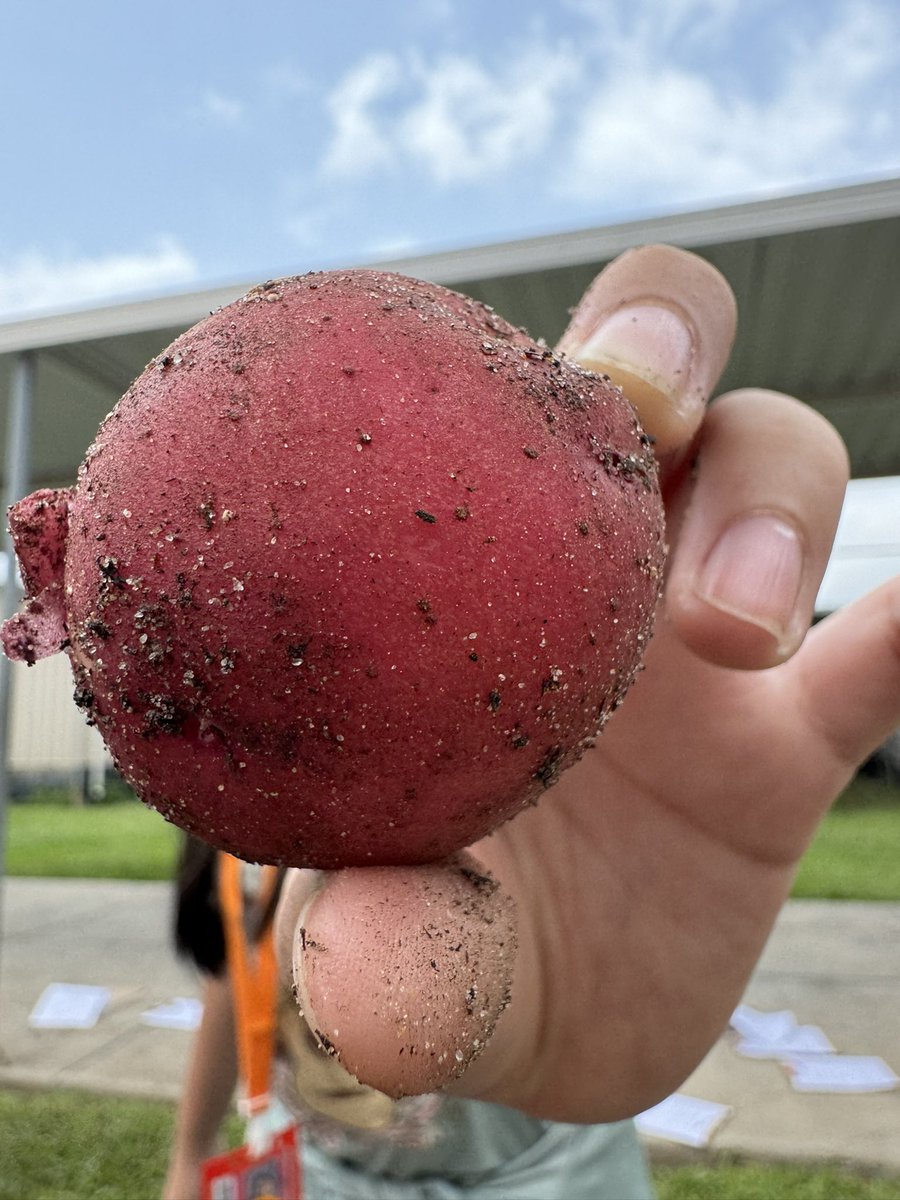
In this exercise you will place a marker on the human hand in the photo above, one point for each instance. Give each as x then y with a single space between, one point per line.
647 881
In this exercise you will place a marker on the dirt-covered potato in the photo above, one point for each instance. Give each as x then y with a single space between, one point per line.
351 573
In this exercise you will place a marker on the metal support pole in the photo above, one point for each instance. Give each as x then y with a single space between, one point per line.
18 445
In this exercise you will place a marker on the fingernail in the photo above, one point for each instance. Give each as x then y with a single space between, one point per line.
644 348
754 572
660 323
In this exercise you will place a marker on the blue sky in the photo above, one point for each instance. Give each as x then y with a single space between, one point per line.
148 148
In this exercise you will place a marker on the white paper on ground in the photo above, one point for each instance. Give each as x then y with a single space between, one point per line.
844 1073
761 1027
803 1039
69 1006
182 1012
683 1119
776 1034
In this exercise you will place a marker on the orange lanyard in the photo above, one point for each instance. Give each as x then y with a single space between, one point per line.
254 976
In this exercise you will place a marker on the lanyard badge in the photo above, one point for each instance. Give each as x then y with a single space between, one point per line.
267 1166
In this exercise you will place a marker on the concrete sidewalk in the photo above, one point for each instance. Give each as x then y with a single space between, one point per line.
836 965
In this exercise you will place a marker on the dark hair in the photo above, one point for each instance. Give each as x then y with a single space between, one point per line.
198 930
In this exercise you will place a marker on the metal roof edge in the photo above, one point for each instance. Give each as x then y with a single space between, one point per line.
874 200
131 316
854 204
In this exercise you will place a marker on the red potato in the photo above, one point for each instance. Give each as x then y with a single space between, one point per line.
351 573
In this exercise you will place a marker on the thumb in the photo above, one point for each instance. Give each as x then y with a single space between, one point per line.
660 323
401 972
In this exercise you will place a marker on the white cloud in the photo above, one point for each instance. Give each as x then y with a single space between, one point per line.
453 116
659 128
638 23
640 110
671 136
35 280
469 123
360 144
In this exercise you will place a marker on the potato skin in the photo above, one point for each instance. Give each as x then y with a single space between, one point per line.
355 570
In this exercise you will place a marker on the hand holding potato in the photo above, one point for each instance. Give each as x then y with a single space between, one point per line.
272 675
647 882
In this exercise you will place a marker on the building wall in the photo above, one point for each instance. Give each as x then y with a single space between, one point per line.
49 738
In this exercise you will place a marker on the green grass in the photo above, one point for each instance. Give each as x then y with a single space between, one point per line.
855 856
866 792
725 1180
121 840
69 1145
856 853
